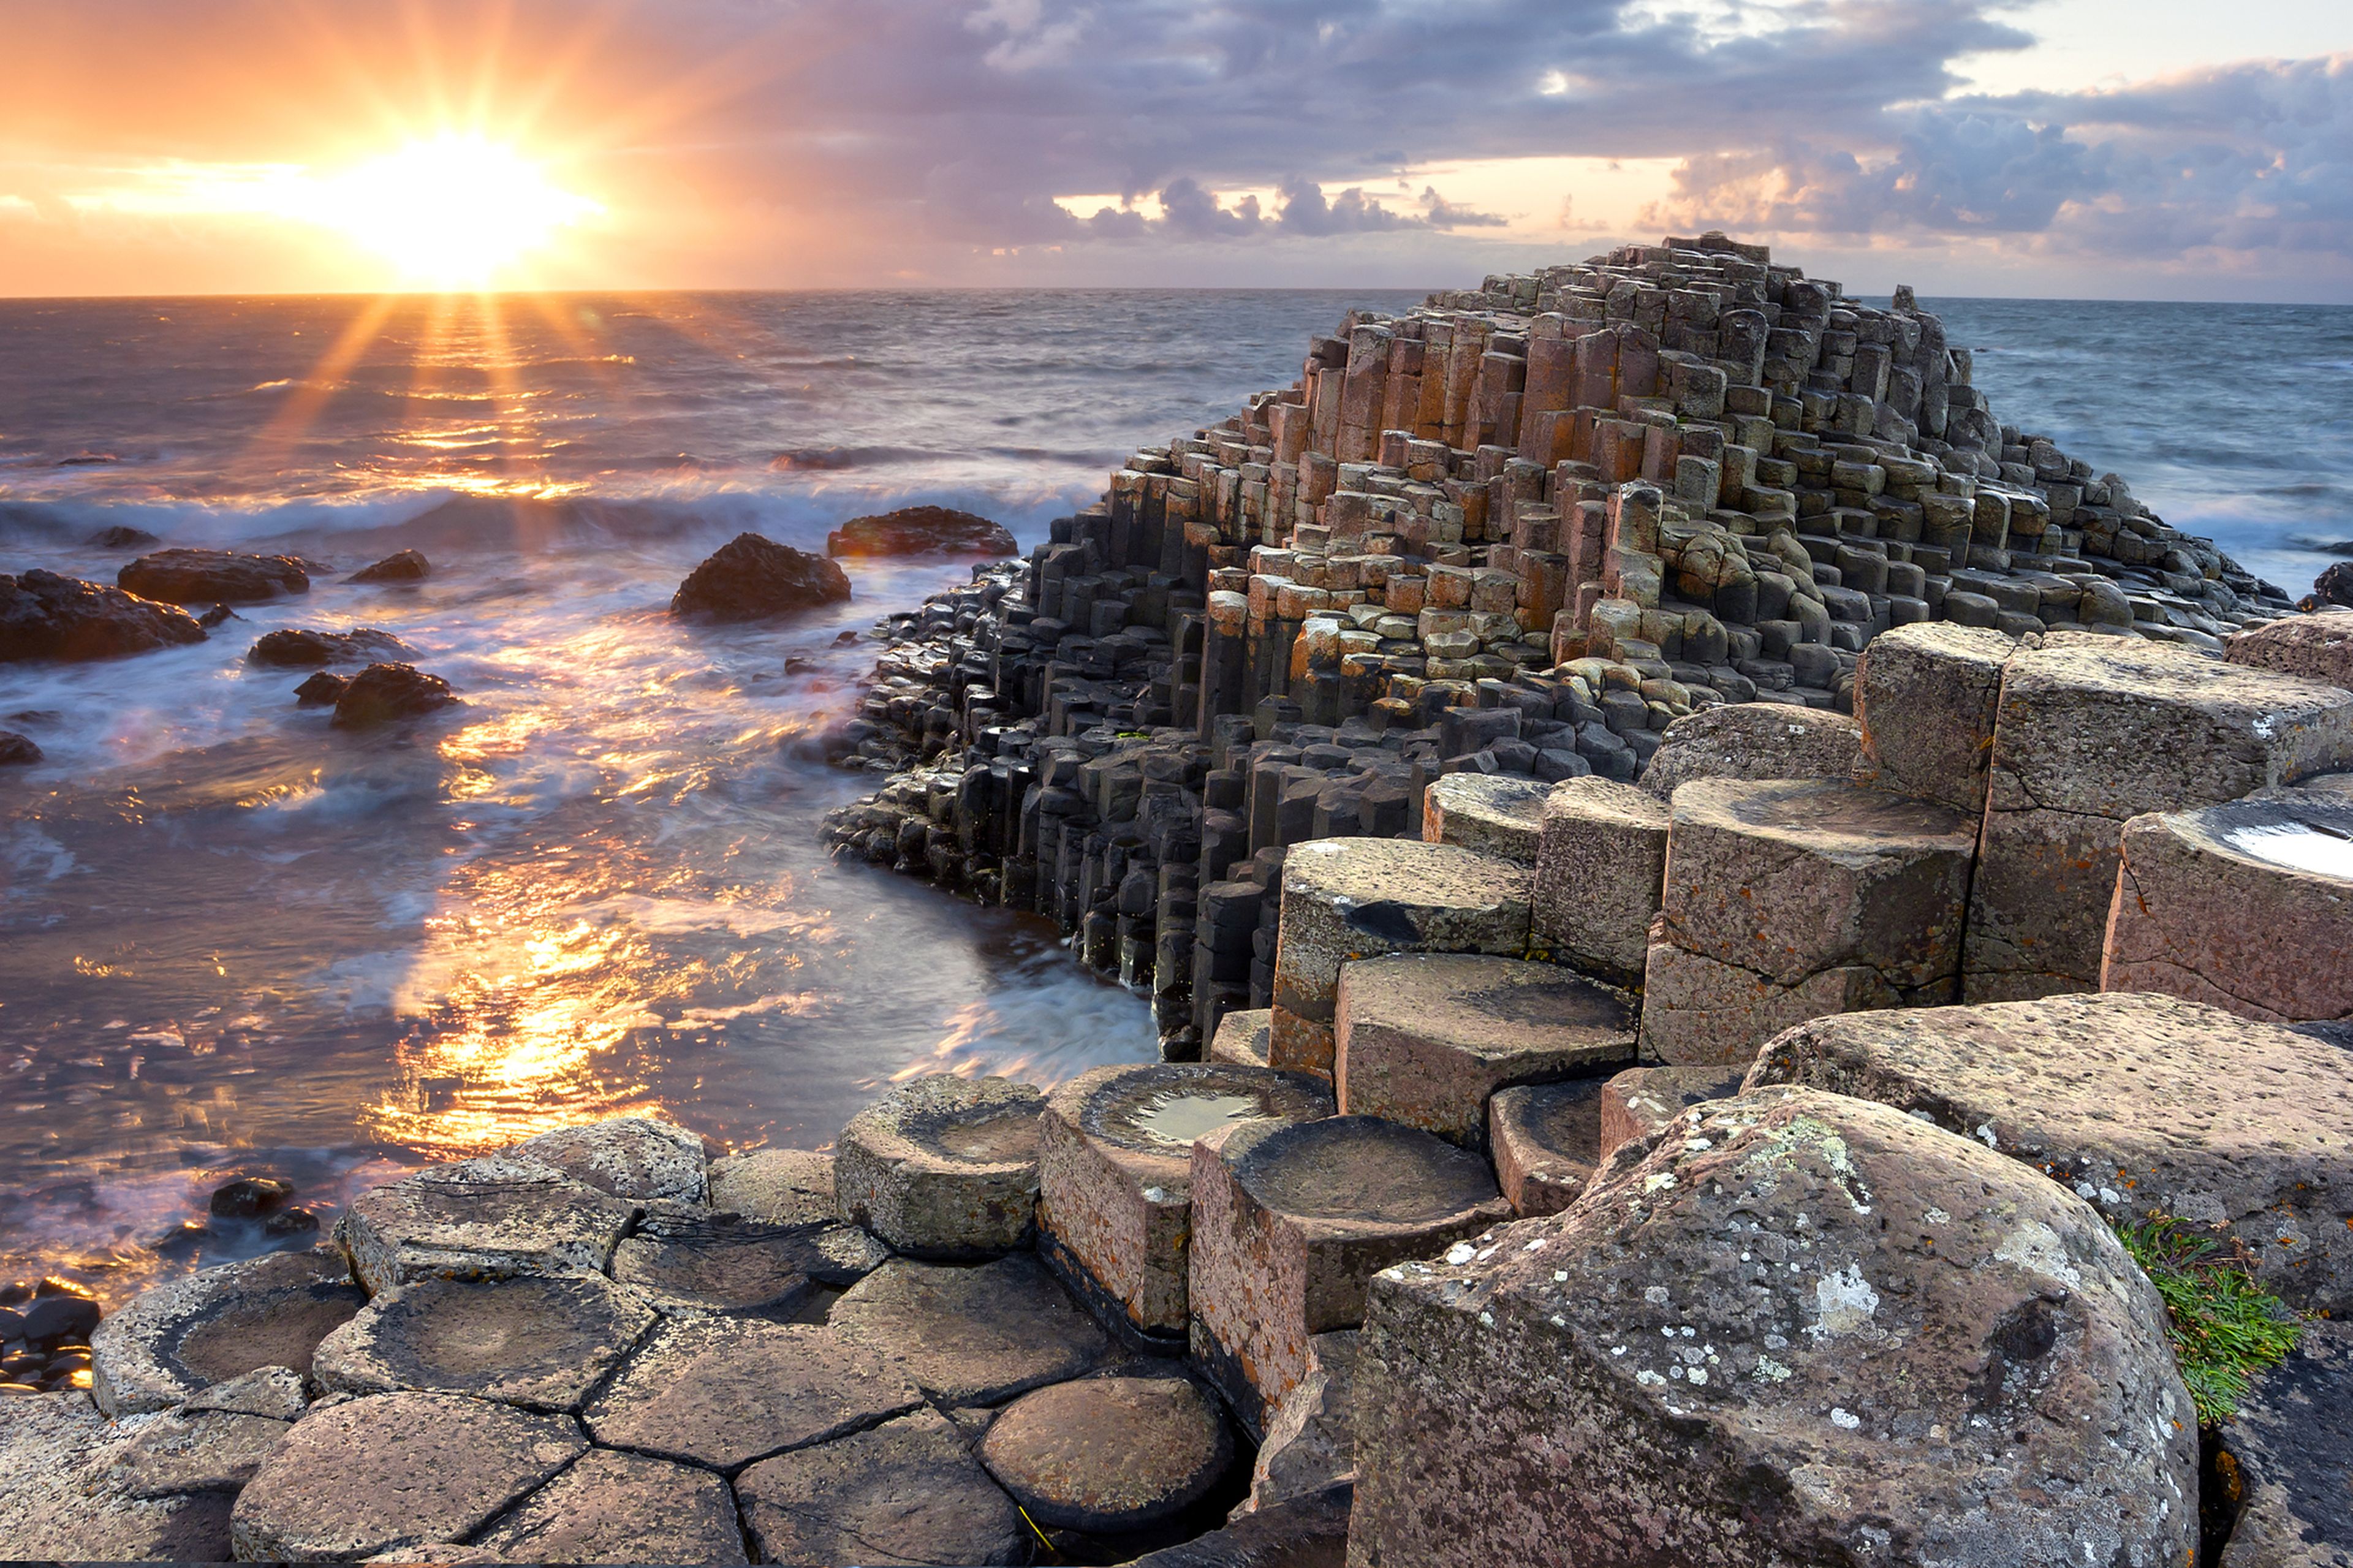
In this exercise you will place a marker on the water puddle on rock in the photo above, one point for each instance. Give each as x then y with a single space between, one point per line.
1179 1117
2321 849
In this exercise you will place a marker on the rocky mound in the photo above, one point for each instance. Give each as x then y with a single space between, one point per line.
921 531
45 616
213 576
304 649
122 538
17 750
385 692
408 566
750 579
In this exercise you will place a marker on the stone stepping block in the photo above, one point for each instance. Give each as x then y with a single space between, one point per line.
1926 696
943 1167
1545 1139
1110 1453
1641 1102
2242 907
2088 737
1115 1175
486 1218
175 1339
699 1261
1753 741
1241 1038
1496 814
531 1340
636 1157
195 1451
1425 1038
774 1186
1601 869
1345 898
392 1470
908 1492
2137 1103
1291 1221
971 1335
60 1502
1803 1284
2290 1447
623 1507
725 1392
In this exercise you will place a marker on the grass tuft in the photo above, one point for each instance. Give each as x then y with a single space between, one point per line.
2224 1328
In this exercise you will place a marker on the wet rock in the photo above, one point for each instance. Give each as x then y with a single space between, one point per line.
1601 865
921 531
1753 740
1311 1443
249 1197
1425 1038
1109 1454
623 1507
2288 1458
1546 1142
1357 897
121 537
195 1451
1640 1101
488 1218
2137 1103
1115 1175
17 750
639 1157
724 1391
218 616
59 1502
392 1470
907 1492
384 693
943 1167
176 1340
535 1342
2333 586
776 1186
1291 1220
1914 1351
57 1321
1495 814
1926 696
44 615
971 1335
718 1263
750 579
1241 1038
211 576
405 566
293 648
322 690
1310 1531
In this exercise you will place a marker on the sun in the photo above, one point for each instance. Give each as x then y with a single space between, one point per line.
455 211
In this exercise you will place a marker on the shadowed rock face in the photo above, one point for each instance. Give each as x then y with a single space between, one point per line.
213 577
45 616
750 579
299 649
2290 1453
382 693
921 531
408 566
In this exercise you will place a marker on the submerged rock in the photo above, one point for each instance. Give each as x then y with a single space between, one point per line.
921 531
45 616
322 690
750 579
121 537
295 650
17 750
385 692
408 566
218 616
223 576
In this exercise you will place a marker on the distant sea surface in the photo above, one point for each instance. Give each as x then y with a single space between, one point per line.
235 941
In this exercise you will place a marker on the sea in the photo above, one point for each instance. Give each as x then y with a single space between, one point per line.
235 941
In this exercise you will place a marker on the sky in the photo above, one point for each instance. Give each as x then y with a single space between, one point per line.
2154 149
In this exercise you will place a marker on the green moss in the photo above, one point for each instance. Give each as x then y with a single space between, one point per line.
2225 1327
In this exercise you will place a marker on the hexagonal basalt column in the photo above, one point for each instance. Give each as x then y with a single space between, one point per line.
1495 814
1545 1141
178 1339
1115 1175
1926 695
636 1157
1425 1038
1357 897
536 1341
945 1167
1599 869
2247 907
1291 1222
486 1218
1241 1038
1787 898
1640 1101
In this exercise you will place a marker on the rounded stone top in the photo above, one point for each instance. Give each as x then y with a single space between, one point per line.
983 1121
1400 871
1158 1108
2312 837
2142 670
1823 815
1360 1170
1109 1453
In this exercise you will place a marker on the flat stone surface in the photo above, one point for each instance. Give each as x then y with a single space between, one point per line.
2290 1451
532 1341
1545 1141
1801 1329
638 1157
1115 1172
177 1339
59 1502
713 1262
2316 646
500 1215
973 1335
1753 741
1425 1038
1496 814
391 1470
2238 906
1640 1101
723 1391
623 1507
1600 867
907 1492
1109 1454
943 1167
202 1451
776 1186
1290 1222
2137 1103
275 1393
1241 1038
1926 696
1345 898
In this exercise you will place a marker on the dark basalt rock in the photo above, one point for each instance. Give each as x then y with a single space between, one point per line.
250 1196
17 750
409 566
59 1320
750 579
385 692
2333 586
322 690
219 614
122 538
298 650
45 616
921 531
1309 1532
198 576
